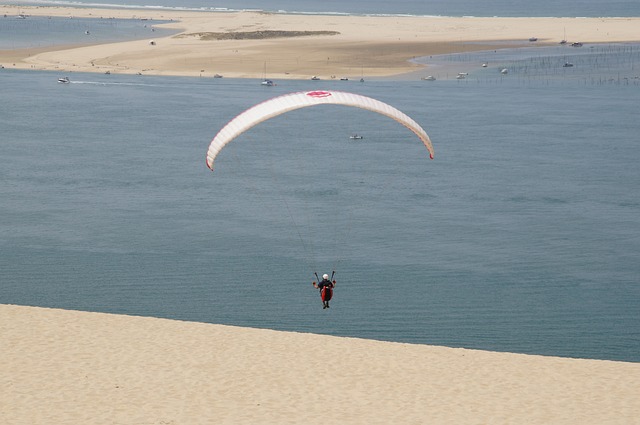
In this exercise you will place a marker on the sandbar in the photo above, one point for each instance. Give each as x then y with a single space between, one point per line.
307 45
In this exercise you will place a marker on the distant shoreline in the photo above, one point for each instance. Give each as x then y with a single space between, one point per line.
326 46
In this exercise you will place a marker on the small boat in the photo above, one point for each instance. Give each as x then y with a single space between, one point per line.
64 80
429 78
576 44
461 75
217 76
567 65
356 137
564 38
315 78
265 81
504 71
533 39
484 65
344 79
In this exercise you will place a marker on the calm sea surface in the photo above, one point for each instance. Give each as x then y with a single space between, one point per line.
522 235
43 31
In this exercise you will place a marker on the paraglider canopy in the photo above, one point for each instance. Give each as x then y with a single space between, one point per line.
281 104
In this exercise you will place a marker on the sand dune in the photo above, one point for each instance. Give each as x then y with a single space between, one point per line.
69 367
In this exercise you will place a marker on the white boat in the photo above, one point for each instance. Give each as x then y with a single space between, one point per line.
64 80
344 79
217 76
504 71
315 78
356 137
429 78
265 81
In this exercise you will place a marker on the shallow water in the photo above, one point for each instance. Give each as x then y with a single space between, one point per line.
44 31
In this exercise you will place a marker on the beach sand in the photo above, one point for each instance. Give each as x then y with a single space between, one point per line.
71 367
362 45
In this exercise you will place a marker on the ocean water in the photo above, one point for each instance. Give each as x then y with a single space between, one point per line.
582 8
522 234
42 31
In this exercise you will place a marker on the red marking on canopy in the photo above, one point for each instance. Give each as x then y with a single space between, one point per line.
319 93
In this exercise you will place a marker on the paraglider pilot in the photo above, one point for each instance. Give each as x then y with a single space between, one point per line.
326 289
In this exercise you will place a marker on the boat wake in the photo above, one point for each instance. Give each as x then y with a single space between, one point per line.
109 83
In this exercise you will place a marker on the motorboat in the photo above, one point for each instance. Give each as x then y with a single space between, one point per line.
315 78
64 80
217 76
576 44
504 71
567 65
533 39
429 78
344 79
356 137
267 83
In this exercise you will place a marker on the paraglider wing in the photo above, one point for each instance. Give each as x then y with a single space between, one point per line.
281 104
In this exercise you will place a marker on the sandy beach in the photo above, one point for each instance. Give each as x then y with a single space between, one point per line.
299 46
70 367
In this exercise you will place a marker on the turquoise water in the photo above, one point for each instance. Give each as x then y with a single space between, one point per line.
522 234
